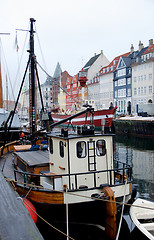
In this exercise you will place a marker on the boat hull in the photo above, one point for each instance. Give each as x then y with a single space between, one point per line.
101 118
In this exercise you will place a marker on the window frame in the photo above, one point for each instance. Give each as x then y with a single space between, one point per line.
104 148
77 150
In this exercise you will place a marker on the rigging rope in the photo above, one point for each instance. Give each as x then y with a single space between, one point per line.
58 83
40 47
78 195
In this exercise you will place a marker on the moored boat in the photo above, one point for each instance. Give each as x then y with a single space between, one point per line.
78 171
74 178
142 215
103 119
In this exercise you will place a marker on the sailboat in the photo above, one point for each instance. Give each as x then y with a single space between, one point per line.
74 179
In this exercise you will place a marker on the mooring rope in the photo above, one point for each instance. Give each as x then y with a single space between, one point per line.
20 198
78 195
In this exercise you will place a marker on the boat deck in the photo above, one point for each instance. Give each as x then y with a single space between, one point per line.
15 221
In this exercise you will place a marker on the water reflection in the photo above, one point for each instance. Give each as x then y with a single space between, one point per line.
139 152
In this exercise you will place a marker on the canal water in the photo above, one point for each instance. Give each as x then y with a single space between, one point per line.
139 153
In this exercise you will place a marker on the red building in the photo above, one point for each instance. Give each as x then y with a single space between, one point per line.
72 92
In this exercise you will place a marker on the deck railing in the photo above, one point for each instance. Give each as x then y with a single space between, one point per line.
114 177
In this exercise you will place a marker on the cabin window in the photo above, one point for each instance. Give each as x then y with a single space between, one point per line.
81 149
61 148
100 147
51 146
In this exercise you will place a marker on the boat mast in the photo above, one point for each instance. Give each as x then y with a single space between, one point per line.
32 80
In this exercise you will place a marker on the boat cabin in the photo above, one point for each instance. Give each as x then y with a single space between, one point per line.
77 157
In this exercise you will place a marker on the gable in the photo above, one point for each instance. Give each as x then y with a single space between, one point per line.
121 63
91 62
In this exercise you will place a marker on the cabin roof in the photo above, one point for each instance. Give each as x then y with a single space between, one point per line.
34 158
75 135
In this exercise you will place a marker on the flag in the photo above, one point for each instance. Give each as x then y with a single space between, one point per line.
16 43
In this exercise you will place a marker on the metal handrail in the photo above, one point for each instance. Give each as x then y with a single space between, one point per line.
121 171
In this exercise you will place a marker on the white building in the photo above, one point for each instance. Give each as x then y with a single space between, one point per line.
143 78
93 67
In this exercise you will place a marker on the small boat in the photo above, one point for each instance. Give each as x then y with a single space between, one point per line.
142 215
102 119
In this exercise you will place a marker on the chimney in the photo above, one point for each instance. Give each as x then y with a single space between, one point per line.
140 46
150 42
94 54
101 51
131 48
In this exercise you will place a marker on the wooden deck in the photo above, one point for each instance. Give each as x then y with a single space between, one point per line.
15 221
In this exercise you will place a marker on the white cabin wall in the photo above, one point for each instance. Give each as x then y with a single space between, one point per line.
56 160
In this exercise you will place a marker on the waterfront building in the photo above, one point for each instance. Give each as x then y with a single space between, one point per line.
46 89
63 91
143 78
122 81
55 86
72 93
106 83
93 67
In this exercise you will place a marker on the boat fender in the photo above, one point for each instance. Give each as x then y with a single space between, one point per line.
31 209
111 211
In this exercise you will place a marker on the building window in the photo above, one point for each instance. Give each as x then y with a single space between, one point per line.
150 89
139 91
135 91
139 78
150 76
116 94
122 82
144 90
135 79
81 149
121 72
145 77
129 92
61 149
116 83
128 80
100 148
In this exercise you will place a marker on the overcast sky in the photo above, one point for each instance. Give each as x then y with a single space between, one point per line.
71 31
